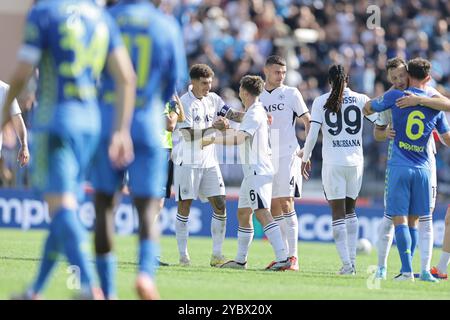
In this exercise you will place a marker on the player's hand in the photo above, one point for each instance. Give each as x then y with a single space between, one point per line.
121 149
221 123
23 157
306 169
269 119
300 153
206 141
409 100
390 133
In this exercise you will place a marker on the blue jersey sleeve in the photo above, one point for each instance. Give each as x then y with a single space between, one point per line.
386 101
178 75
442 124
35 36
115 37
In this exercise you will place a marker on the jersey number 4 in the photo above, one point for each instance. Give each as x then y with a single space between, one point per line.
352 126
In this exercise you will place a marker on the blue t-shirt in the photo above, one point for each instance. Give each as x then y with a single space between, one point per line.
156 49
70 40
413 127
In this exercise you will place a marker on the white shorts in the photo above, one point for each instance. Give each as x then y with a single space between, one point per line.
340 182
192 183
255 192
287 181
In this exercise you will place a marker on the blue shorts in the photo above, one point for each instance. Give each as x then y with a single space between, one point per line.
408 191
147 173
60 163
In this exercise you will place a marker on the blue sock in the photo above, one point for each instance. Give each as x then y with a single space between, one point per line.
148 253
76 245
106 268
52 248
403 238
414 238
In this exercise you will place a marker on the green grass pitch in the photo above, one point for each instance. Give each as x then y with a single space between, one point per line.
20 251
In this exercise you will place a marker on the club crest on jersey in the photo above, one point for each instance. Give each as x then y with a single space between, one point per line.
281 96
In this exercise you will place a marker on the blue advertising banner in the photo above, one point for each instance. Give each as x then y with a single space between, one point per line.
23 210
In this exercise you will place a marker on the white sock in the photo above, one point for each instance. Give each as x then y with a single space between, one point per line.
182 234
443 262
273 233
351 223
291 222
282 224
245 237
340 238
385 238
218 228
425 241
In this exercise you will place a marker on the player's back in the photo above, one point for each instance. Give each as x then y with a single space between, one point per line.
413 127
72 37
151 39
342 130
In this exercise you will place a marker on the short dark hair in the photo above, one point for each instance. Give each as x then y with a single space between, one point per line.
419 68
275 60
395 63
252 84
201 70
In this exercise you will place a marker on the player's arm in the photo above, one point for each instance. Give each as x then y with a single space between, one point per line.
180 109
230 114
17 82
382 133
231 138
310 142
121 69
445 138
23 155
438 102
368 110
306 118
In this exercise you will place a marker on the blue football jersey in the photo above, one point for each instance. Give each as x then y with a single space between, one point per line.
413 127
70 41
156 49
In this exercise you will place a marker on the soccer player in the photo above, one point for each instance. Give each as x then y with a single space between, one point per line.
409 169
173 112
70 41
19 126
397 74
339 115
158 58
285 104
196 169
256 188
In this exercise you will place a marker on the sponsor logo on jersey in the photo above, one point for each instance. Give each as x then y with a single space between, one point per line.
274 107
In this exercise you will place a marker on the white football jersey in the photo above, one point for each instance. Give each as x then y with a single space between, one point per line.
200 114
285 104
342 131
15 109
255 152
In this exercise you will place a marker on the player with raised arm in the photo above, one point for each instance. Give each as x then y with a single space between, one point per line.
285 105
339 115
256 189
70 41
158 58
397 74
196 169
409 168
